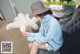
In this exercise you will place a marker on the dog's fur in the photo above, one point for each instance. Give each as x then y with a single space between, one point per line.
23 22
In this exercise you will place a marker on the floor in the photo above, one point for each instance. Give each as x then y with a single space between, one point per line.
20 43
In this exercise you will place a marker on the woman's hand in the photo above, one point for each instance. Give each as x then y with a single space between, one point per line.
25 33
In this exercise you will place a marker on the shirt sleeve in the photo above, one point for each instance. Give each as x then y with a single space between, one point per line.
36 36
51 31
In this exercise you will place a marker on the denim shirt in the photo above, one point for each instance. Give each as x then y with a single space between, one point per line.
50 32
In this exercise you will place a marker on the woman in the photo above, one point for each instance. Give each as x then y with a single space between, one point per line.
49 36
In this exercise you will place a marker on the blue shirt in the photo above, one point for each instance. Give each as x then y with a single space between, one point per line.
50 32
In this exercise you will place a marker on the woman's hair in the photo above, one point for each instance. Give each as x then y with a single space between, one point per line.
45 13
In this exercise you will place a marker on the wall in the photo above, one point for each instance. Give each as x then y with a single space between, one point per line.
23 6
6 9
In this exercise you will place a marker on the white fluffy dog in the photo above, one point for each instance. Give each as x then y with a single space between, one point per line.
23 22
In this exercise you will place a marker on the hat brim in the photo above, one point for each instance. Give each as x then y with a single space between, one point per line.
39 12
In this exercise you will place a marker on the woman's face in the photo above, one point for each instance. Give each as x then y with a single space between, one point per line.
39 18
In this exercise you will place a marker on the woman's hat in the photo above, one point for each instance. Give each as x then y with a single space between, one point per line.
38 8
